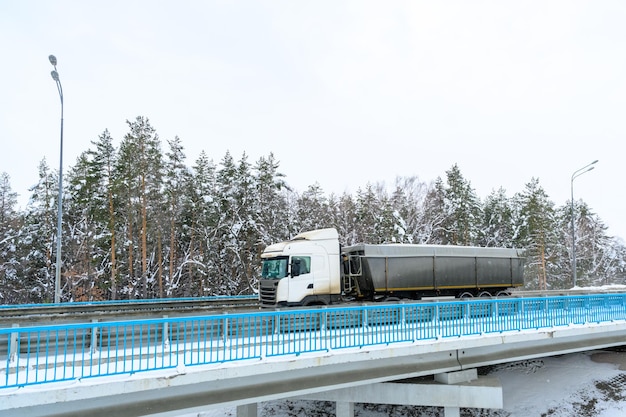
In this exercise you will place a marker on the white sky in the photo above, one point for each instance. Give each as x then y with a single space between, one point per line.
342 92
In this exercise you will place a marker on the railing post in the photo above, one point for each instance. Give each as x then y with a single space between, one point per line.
277 322
166 333
94 337
436 321
225 332
13 344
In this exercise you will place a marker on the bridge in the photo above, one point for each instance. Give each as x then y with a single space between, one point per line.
363 353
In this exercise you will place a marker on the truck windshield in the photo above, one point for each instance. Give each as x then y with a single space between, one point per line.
275 268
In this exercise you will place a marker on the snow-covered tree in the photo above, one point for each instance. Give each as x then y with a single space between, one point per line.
38 236
270 203
202 208
498 229
311 210
539 235
173 218
139 223
594 253
453 212
10 226
409 203
139 173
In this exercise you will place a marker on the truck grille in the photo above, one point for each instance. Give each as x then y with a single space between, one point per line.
267 292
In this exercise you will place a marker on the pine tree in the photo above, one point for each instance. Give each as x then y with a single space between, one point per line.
140 178
386 226
498 224
345 220
126 187
103 163
10 224
366 216
91 217
203 211
269 204
177 178
463 210
436 215
230 194
538 234
39 237
81 219
311 210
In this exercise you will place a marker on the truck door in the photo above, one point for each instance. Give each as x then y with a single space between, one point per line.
301 279
321 275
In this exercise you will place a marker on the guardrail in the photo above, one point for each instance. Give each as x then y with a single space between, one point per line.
134 302
45 354
24 315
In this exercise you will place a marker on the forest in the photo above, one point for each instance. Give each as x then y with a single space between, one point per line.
139 222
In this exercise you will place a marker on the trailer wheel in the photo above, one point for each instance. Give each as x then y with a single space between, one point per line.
503 294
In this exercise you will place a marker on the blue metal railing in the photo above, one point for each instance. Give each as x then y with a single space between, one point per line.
44 354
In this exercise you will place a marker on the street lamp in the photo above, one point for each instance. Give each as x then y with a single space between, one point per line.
57 279
577 173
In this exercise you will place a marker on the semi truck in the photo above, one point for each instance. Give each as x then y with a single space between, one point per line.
314 269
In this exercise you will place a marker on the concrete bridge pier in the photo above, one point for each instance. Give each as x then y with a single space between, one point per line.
344 409
452 411
247 410
452 391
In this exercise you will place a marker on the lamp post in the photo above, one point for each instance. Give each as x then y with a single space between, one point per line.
57 279
576 173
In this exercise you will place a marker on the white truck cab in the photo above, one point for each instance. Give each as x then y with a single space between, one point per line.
302 271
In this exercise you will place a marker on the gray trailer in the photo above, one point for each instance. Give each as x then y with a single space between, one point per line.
414 271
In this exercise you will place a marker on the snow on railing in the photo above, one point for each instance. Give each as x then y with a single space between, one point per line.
45 354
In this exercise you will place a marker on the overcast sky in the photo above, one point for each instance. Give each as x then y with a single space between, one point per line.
342 92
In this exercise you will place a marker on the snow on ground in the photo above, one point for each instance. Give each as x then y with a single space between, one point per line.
587 384
569 385
608 287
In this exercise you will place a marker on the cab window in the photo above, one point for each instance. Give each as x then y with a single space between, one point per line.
274 268
300 265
